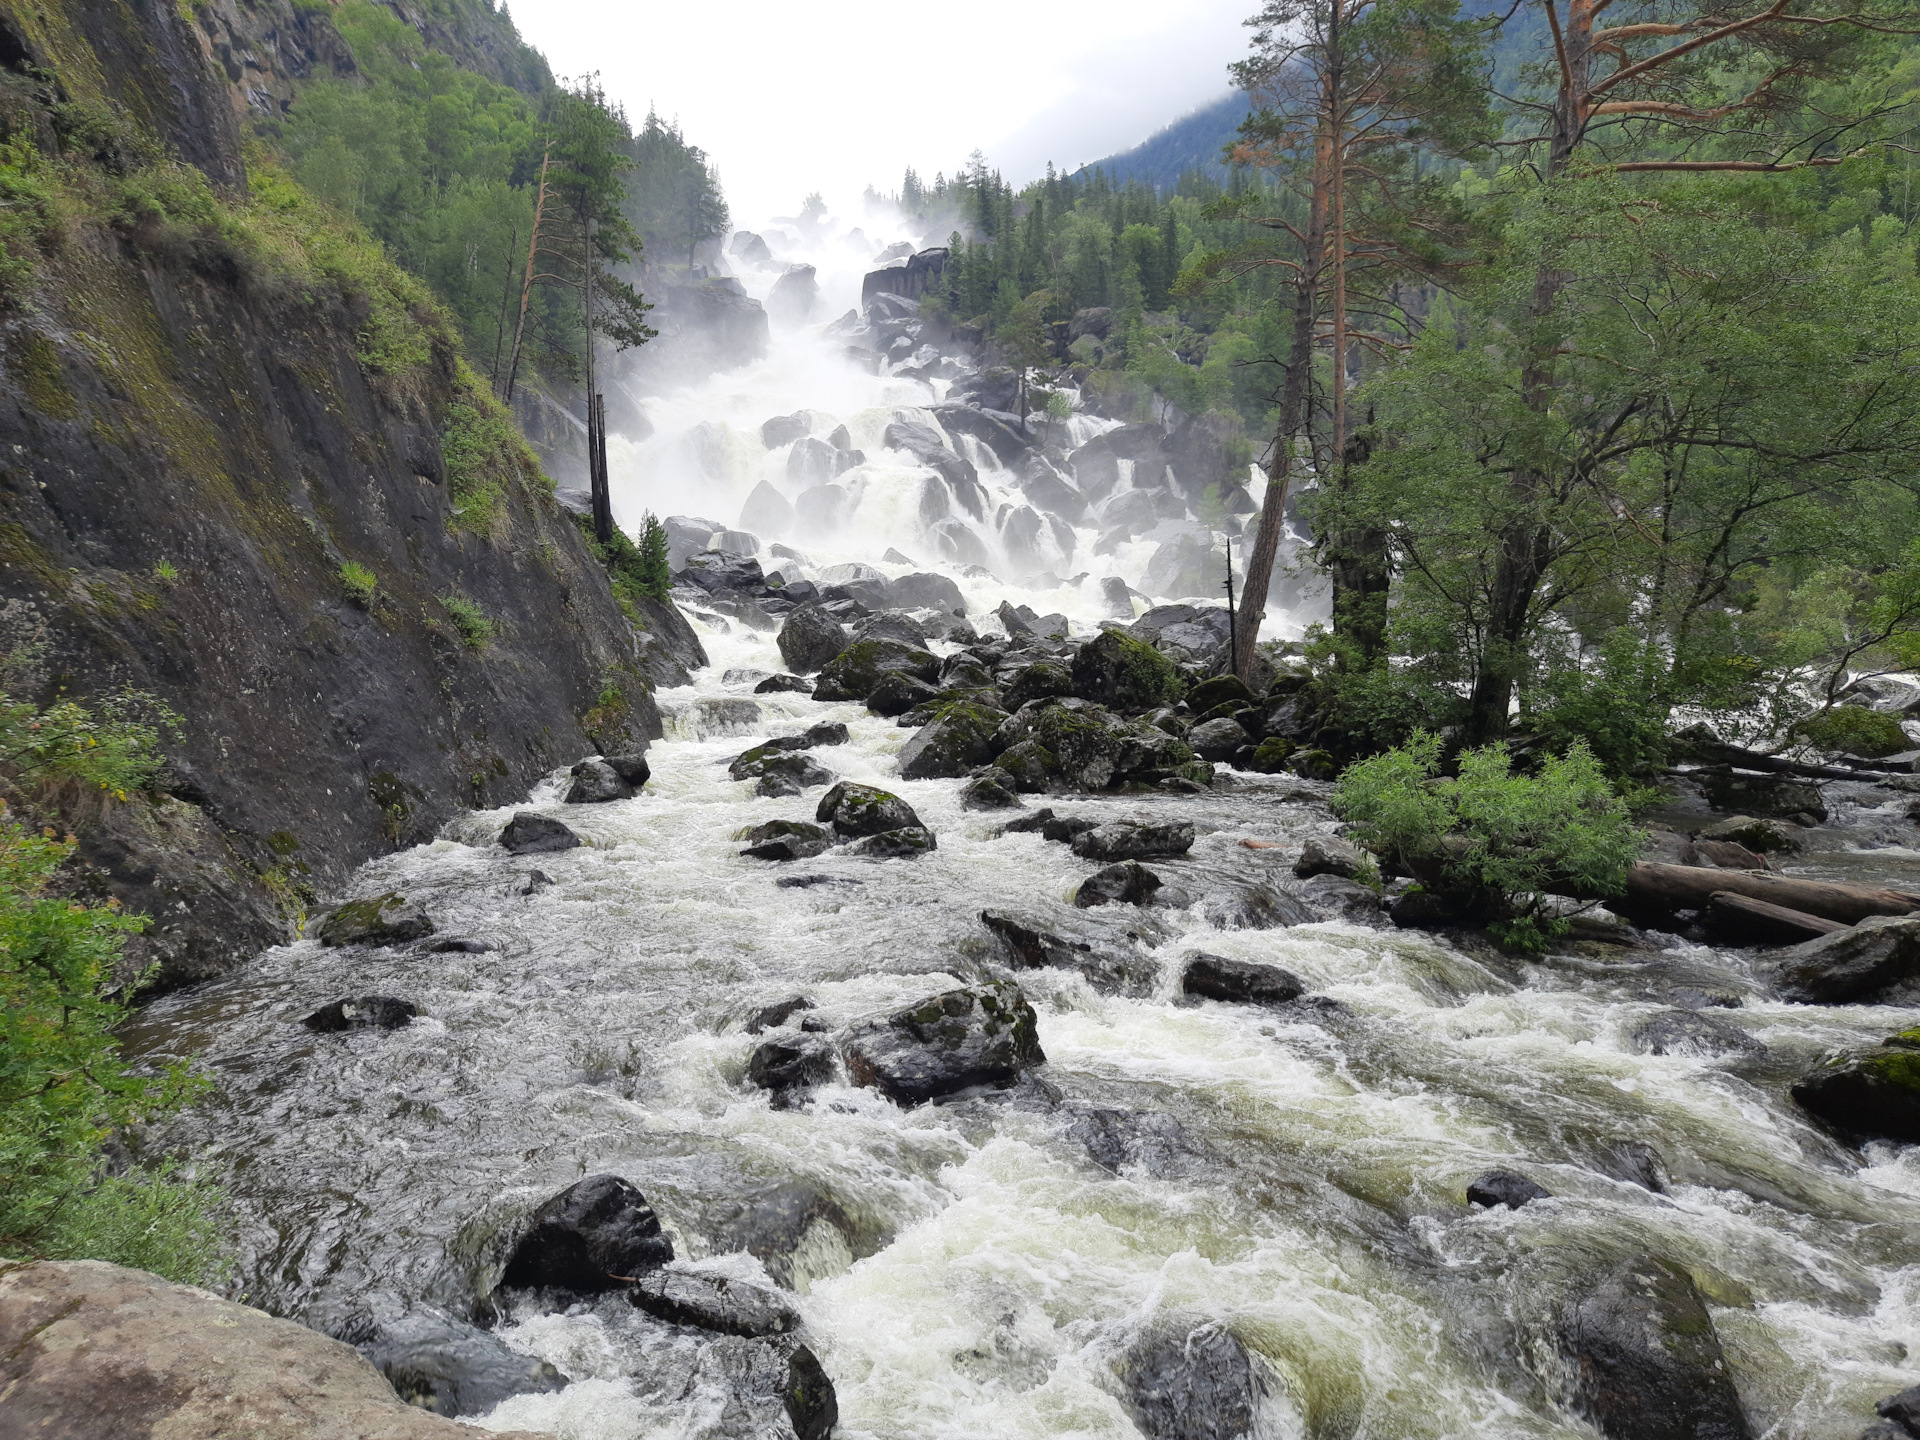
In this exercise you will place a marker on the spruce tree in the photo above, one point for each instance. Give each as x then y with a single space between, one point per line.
654 576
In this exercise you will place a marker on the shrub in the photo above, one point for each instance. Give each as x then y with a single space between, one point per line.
635 571
113 751
1490 841
362 584
1855 730
470 622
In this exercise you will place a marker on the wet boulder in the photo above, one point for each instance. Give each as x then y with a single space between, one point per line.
1770 796
785 429
1199 1385
772 1017
1215 977
892 625
594 1236
797 1231
1873 961
1111 968
388 919
1330 855
790 775
786 840
1869 1096
1042 680
907 843
929 447
924 591
1152 1141
1763 836
713 1302
1690 1033
977 1035
1219 740
809 639
788 684
789 1065
856 672
595 783
856 810
1127 883
811 1405
988 792
451 1369
961 738
1338 898
1127 840
1219 690
1076 747
1124 674
899 693
1504 1187
1643 1360
362 1012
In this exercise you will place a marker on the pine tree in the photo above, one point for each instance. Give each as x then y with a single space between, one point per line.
654 576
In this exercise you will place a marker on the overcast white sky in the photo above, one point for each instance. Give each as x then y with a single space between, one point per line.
792 97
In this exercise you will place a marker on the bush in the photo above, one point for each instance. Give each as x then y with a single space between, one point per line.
635 571
1489 842
361 584
470 622
1854 730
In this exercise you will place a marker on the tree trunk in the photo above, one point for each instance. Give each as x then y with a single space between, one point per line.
526 285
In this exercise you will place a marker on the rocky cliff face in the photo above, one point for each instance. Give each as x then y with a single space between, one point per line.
242 469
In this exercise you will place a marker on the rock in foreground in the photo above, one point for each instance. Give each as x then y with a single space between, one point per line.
97 1352
978 1035
856 810
1215 977
1874 958
382 920
596 1235
453 1369
1198 1386
530 834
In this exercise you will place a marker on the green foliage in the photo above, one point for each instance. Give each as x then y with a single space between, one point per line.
362 585
470 622
1488 839
636 571
113 750
653 577
1855 731
63 1085
485 456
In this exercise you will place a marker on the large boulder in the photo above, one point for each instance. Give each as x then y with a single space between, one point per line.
669 648
977 1035
1198 1385
713 1302
595 782
1739 792
1218 740
1330 855
362 1012
856 672
790 1066
767 511
528 833
1042 680
1871 1096
1125 674
909 842
388 919
924 591
1874 961
1504 1187
929 447
1005 443
98 1352
1215 977
953 744
785 429
1068 740
794 297
1110 967
810 639
583 1240
899 692
1128 840
452 1369
811 463
1186 564
1127 883
856 810
786 840
1050 492
1643 1361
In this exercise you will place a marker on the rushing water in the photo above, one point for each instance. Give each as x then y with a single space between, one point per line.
1299 1182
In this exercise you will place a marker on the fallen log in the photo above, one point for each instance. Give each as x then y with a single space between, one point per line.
1656 887
1742 921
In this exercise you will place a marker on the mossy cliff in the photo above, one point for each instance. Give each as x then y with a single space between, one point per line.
242 468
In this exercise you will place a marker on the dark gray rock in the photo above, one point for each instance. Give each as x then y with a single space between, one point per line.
1152 1141
1198 1385
1215 977
1688 1032
584 1240
929 447
451 1369
1876 959
772 1017
812 1407
1128 840
595 782
952 745
1634 1162
1868 1096
1045 679
776 684
1218 740
789 775
1340 899
1128 883
1329 855
1739 792
899 692
1643 1360
857 671
986 792
892 625
906 843
1504 1187
787 1228
810 638
362 1012
536 834
388 919
977 1035
1902 1409
856 810
786 840
633 769
713 1302
790 1063
1109 967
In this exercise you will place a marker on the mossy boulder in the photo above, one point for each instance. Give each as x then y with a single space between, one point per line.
1871 1096
900 692
1148 754
856 810
1044 680
785 840
1270 756
1315 765
382 920
980 1035
906 843
856 672
1125 674
810 639
1855 730
1029 766
1877 960
1084 742
961 738
1220 690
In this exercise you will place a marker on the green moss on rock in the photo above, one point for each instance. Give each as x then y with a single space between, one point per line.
1125 674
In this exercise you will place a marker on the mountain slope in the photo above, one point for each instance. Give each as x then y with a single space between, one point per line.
1193 142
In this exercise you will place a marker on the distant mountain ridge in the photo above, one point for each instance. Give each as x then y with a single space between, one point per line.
1193 142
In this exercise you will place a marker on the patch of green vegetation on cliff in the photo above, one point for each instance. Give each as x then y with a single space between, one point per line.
485 455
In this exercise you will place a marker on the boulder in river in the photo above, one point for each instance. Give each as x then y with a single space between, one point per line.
856 672
1504 1187
1744 793
809 639
1643 1361
1073 746
388 919
450 1369
977 1035
953 744
1042 680
1218 740
856 810
594 1236
1336 898
1690 1033
1127 883
362 1012
1109 967
1764 836
909 842
713 1302
772 1017
1200 1385
1150 1140
1130 840
1125 674
1869 1096
530 834
595 782
786 840
788 1064
1215 977
900 692
790 684
98 1352
1874 960
1330 855
988 791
